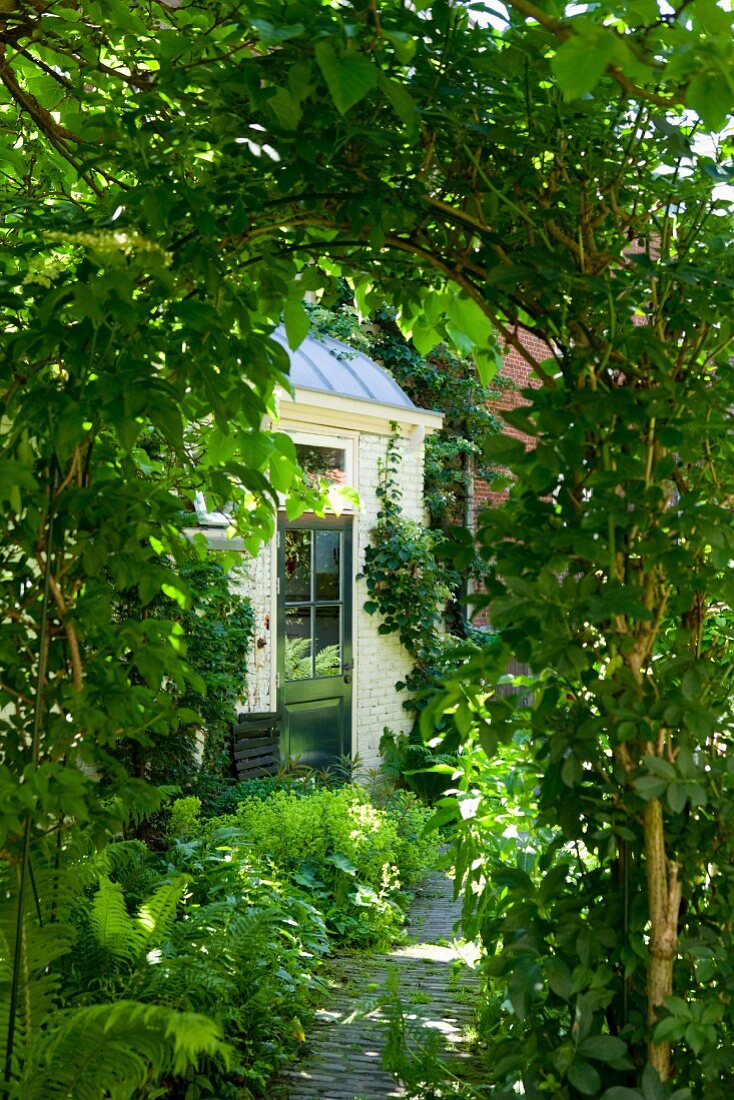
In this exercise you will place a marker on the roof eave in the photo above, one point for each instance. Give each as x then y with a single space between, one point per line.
321 407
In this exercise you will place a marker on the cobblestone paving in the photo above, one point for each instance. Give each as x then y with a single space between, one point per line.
436 990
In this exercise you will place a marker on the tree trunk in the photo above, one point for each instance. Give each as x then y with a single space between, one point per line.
664 896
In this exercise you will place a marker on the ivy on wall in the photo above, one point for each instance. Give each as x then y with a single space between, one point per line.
441 381
405 583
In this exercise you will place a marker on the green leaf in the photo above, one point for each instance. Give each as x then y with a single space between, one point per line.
676 1006
652 1086
677 797
349 77
603 1048
400 100
585 1078
14 475
287 109
649 787
297 322
581 61
468 317
343 863
710 96
270 35
524 986
660 767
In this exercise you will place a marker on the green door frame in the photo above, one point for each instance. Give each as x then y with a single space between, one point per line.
316 712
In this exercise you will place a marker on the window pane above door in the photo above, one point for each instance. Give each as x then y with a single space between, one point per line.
319 461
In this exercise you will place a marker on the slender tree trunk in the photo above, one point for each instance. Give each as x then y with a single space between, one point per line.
664 895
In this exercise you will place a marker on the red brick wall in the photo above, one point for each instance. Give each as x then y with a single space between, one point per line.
517 371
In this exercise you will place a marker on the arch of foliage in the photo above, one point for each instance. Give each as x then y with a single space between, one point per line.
174 176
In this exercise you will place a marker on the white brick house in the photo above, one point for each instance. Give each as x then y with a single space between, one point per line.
318 661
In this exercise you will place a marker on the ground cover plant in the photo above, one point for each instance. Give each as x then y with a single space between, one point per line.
173 179
356 860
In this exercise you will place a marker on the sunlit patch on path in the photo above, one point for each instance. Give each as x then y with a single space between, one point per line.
437 990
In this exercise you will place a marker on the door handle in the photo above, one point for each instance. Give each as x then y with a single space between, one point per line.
347 678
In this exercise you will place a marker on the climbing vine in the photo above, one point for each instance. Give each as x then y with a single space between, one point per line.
442 381
408 585
404 580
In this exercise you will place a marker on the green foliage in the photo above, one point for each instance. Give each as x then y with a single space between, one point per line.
355 859
174 178
406 583
442 381
222 797
79 1031
404 580
218 936
118 1049
184 820
407 759
615 921
216 624
298 660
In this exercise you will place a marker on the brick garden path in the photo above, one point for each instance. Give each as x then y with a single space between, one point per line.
437 991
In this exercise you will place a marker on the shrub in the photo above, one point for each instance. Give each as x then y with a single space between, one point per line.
408 759
354 858
184 821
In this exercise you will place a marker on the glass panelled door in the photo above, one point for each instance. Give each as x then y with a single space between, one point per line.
314 639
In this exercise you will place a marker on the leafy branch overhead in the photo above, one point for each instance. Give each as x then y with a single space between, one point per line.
173 179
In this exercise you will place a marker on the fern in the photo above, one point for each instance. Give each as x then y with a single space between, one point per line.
113 1050
111 924
129 938
298 660
41 948
156 917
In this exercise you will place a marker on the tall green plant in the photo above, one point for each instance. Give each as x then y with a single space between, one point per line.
404 580
610 577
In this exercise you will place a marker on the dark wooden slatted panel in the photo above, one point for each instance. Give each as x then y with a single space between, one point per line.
256 745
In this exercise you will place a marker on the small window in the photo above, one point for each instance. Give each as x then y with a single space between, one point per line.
323 456
318 461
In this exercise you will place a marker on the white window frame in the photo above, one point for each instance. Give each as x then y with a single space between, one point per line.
346 443
209 519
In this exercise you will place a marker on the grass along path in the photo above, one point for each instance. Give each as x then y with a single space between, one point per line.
437 991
